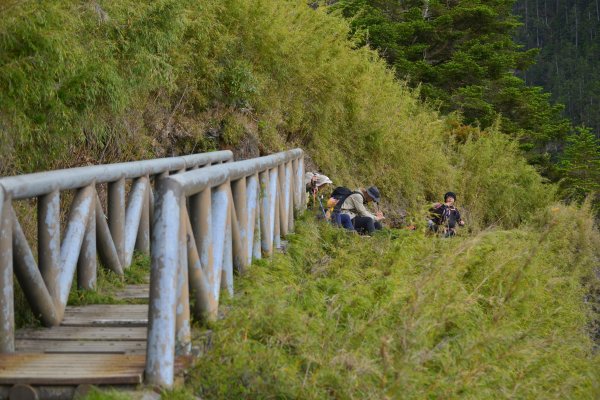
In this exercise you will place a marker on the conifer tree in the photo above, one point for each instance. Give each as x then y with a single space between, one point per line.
462 55
580 165
567 35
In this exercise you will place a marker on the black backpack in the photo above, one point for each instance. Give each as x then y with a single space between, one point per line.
340 193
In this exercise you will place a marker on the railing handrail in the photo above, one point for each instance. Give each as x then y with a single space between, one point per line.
88 234
40 183
206 222
193 182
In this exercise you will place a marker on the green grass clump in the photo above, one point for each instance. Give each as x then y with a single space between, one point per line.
97 394
107 283
497 315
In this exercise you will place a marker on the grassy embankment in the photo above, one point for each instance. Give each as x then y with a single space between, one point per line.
400 315
500 313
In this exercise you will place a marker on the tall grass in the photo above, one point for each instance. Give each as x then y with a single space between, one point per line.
496 185
497 315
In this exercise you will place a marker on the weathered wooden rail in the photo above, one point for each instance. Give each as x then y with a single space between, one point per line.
204 225
223 217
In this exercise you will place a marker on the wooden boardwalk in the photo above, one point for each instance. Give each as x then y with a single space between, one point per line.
98 344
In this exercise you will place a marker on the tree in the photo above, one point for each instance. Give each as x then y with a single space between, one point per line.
566 34
462 55
580 165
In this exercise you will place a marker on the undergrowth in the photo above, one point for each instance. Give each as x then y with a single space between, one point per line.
497 315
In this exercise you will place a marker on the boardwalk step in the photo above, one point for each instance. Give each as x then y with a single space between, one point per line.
100 344
71 369
135 292
107 315
84 333
80 346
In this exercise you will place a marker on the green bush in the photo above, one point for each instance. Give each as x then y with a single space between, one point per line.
496 185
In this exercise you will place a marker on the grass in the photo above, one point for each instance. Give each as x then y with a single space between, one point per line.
497 315
108 283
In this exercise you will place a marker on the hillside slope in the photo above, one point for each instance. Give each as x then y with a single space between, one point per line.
499 310
109 81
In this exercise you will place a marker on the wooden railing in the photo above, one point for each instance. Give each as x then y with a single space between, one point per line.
207 216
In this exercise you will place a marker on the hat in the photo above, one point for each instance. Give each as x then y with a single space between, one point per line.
320 179
449 194
374 193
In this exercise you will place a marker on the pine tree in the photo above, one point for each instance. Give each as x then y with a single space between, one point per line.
462 55
567 35
580 165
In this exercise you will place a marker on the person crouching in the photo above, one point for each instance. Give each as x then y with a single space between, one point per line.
445 217
364 222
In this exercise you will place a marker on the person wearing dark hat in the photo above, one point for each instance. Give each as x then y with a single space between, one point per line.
363 220
444 217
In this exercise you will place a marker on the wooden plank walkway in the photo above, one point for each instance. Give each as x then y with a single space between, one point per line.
96 344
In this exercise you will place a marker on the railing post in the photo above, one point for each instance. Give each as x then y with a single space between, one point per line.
227 268
7 312
87 266
105 244
294 185
135 205
30 278
183 330
274 207
277 225
142 243
283 217
116 216
301 205
289 196
240 208
219 211
160 352
205 305
79 217
201 219
257 234
266 231
49 238
252 228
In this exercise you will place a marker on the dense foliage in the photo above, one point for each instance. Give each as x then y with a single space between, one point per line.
462 56
567 34
116 80
580 166
499 313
